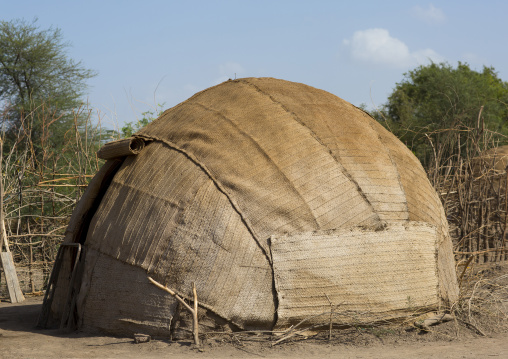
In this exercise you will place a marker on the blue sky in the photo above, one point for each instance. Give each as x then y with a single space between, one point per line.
149 52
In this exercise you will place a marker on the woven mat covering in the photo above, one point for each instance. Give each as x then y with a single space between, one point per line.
163 214
254 159
364 274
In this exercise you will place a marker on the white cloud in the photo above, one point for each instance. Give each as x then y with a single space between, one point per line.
426 55
431 15
376 46
229 70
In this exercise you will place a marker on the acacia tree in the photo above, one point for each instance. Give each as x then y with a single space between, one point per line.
435 107
37 79
50 142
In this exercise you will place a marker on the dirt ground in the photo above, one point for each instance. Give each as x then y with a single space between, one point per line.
474 334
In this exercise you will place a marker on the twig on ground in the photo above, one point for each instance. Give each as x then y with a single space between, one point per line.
436 319
474 327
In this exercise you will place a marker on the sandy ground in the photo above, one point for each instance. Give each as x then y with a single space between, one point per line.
484 302
20 339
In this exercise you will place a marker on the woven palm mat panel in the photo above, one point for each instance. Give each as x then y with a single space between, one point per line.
362 274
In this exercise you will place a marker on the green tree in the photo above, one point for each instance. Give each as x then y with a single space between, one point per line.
436 108
38 81
148 116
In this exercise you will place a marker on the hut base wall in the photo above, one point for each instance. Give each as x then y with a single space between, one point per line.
117 298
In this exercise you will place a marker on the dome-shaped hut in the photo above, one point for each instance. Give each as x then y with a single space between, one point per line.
274 198
490 164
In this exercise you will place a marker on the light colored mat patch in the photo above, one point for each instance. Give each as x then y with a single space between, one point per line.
364 274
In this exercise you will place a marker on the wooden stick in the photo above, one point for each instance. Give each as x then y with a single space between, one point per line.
293 329
195 326
465 269
292 333
193 311
2 223
436 319
331 316
484 251
474 327
4 233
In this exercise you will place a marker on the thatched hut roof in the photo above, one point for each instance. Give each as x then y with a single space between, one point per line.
492 162
271 196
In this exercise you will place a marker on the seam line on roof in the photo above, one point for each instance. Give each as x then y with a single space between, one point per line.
201 165
394 164
314 135
264 154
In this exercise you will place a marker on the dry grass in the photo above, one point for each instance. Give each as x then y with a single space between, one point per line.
483 302
42 185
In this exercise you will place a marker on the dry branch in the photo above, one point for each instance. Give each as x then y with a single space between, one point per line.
436 319
193 311
42 184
